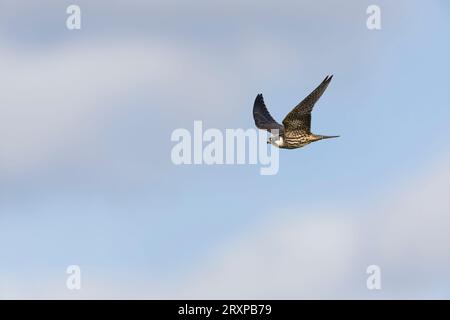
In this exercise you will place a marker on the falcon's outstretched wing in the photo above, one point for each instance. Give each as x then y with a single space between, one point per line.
262 117
300 117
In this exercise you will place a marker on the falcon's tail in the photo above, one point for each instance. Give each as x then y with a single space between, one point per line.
326 137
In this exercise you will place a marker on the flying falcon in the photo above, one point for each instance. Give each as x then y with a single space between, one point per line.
296 129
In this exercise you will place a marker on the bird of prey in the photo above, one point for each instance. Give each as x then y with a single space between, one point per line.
296 129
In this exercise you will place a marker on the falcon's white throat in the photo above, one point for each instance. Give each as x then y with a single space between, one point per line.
277 141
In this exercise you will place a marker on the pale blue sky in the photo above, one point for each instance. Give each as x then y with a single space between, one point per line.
86 176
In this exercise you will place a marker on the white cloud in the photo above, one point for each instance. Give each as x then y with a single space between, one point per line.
53 100
302 253
289 258
324 254
414 237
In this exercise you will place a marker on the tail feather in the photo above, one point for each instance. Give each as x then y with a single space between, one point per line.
327 137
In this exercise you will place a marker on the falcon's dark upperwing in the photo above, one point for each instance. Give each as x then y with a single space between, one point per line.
300 117
262 117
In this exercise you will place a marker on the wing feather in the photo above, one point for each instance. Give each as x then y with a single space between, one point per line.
300 117
262 117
